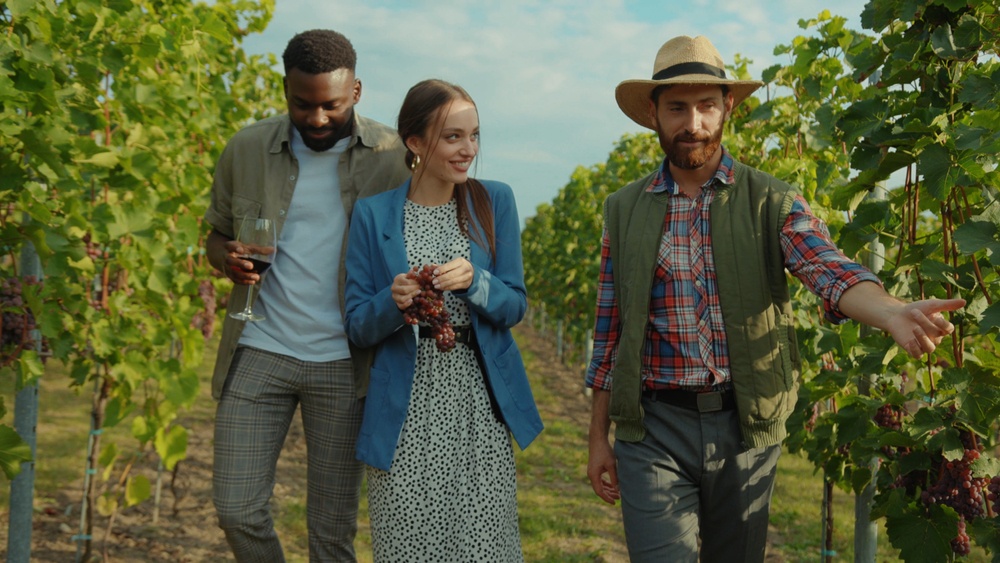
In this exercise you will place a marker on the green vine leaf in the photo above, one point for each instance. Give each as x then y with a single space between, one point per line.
940 173
923 540
107 504
987 533
137 489
171 446
990 320
974 236
948 442
13 451
944 43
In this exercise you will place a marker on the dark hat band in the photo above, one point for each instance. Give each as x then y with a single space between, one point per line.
689 68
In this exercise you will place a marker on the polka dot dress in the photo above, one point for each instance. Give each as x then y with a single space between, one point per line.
450 494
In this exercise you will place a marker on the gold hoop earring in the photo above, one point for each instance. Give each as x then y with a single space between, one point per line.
415 162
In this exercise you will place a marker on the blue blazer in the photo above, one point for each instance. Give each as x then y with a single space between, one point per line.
376 253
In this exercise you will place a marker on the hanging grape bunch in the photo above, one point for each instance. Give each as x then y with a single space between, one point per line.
889 417
205 319
994 493
428 308
957 488
17 321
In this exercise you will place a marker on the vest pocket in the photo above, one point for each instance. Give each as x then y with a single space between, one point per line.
774 374
785 344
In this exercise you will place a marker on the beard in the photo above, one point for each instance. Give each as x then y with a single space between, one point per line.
690 158
326 143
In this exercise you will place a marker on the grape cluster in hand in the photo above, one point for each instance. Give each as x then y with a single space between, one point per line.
428 307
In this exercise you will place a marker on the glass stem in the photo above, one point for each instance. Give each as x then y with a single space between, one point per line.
249 297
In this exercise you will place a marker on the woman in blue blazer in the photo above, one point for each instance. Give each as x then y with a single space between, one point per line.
437 424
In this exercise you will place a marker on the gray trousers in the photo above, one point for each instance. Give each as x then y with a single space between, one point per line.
252 420
691 479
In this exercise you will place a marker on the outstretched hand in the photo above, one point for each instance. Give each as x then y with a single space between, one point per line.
919 327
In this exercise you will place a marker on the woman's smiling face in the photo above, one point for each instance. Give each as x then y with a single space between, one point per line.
447 158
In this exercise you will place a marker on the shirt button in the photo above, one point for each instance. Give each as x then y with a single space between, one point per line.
281 213
697 283
292 177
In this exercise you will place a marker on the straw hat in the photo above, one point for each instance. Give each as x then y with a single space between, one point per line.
682 60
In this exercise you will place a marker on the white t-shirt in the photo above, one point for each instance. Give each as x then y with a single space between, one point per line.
299 296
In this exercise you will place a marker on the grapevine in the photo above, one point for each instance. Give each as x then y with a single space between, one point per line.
106 173
428 307
915 98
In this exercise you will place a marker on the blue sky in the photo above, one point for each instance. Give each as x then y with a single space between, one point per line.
543 73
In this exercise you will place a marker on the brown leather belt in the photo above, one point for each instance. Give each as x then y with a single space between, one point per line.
463 333
701 401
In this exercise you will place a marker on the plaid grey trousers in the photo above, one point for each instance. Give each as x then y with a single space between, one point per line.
257 406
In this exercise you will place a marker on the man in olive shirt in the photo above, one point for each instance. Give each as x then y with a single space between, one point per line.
304 170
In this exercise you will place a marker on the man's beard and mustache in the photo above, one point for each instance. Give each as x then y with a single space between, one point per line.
326 143
690 158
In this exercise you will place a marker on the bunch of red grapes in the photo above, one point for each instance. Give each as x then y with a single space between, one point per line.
958 488
960 544
889 416
16 320
204 320
428 308
994 493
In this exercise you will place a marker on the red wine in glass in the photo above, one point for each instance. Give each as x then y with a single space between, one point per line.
259 266
259 240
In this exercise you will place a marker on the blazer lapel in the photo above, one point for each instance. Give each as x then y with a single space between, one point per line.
391 228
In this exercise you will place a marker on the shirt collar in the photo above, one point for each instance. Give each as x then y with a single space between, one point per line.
363 132
664 182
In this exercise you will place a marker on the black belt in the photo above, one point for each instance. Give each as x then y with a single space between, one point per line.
701 401
463 333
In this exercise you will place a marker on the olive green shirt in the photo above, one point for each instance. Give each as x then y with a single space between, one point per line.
256 175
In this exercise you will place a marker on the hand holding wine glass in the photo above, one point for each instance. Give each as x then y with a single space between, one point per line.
257 244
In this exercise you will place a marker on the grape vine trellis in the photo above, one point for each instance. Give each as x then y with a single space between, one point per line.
916 99
112 115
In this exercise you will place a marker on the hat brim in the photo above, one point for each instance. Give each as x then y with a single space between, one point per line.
633 96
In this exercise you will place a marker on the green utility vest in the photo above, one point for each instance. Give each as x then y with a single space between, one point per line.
745 221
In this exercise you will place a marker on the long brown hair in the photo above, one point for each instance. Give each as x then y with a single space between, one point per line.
421 106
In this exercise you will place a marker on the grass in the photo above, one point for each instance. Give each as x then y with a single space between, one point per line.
561 519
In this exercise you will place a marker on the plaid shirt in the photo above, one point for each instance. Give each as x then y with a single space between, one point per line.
685 345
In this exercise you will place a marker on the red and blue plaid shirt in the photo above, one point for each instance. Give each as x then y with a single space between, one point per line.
685 345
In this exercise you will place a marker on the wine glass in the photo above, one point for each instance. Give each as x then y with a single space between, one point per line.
259 241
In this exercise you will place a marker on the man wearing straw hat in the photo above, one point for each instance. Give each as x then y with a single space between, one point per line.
695 357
